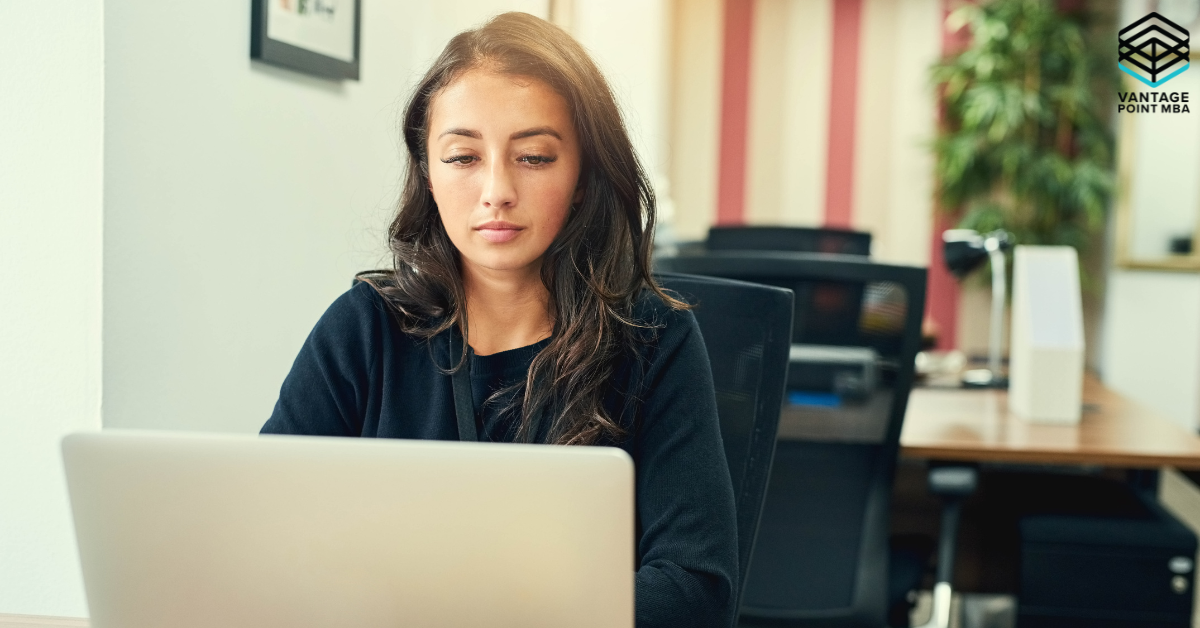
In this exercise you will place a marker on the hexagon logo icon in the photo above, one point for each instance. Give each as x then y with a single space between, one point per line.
1153 50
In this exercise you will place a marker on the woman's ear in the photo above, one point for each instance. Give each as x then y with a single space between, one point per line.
578 198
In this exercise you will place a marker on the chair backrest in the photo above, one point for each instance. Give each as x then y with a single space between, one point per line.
833 307
747 331
821 554
795 239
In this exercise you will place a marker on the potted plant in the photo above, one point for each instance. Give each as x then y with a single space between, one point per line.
1024 144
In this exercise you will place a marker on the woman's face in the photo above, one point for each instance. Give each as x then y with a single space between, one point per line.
504 165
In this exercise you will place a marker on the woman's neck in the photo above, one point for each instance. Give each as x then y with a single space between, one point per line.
505 309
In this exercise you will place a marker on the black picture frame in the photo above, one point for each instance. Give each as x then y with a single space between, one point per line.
267 50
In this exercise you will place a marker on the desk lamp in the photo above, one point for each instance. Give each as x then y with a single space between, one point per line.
965 250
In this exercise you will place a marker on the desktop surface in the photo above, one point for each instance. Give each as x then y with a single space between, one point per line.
977 425
188 531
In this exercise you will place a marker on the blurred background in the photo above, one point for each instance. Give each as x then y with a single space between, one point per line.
174 217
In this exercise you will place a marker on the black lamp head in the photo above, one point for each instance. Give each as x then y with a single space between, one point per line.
967 249
964 251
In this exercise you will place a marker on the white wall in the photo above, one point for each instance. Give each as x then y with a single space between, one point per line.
695 117
788 131
631 42
241 198
1152 341
51 150
897 120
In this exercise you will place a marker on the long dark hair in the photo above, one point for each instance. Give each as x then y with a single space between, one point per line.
595 268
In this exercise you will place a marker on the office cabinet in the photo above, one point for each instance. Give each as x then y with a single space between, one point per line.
1135 570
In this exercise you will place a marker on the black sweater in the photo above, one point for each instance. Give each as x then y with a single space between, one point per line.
358 374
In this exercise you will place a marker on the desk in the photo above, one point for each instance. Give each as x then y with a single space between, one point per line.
976 425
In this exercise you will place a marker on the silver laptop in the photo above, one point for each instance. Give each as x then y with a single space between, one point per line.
237 531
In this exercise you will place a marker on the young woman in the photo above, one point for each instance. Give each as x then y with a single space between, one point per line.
524 228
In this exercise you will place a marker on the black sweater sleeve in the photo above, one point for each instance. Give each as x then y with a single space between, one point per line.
688 544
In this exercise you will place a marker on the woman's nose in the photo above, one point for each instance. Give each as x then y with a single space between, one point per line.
498 189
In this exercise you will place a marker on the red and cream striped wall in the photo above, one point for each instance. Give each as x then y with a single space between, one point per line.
810 112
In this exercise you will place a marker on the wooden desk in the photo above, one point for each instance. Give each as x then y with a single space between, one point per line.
976 425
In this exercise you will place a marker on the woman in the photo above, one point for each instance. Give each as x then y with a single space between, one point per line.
524 227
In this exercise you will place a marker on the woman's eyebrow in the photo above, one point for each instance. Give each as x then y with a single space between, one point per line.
537 130
463 132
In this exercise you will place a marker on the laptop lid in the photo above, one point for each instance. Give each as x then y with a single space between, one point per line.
212 530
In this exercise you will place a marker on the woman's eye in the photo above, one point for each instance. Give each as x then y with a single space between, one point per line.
461 160
537 160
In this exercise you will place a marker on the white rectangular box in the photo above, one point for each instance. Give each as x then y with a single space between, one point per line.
1046 355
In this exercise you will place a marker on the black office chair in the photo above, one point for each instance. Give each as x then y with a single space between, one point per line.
747 330
797 239
821 557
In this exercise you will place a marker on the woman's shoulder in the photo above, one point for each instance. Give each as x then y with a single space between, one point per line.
360 303
358 314
661 324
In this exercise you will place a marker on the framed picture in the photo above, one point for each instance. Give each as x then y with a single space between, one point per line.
315 36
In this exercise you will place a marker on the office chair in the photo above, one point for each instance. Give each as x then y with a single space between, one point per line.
821 557
747 330
797 239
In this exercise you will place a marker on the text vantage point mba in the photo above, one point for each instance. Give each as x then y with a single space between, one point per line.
1153 102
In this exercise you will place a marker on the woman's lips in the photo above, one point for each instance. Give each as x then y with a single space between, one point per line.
498 231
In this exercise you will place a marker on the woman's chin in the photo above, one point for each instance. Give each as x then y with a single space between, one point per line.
503 262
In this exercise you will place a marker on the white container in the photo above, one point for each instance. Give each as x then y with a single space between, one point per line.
1046 352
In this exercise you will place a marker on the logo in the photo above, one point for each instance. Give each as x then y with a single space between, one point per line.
1153 50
